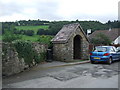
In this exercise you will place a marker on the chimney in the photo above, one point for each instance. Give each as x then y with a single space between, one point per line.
88 32
109 29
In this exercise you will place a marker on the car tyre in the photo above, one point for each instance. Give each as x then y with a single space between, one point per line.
109 61
92 62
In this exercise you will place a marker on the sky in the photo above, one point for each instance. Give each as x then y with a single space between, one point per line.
59 10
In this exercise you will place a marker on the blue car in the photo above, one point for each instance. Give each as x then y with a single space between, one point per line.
104 54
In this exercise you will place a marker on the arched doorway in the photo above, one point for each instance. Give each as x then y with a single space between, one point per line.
77 47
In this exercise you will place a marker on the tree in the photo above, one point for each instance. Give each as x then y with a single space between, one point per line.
29 32
9 37
101 39
41 32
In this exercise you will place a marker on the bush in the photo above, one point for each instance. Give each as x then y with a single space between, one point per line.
25 50
41 32
9 37
45 39
17 32
24 32
40 58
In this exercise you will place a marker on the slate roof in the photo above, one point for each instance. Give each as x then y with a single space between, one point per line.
112 34
65 33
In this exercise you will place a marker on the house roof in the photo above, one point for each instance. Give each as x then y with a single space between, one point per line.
65 33
112 34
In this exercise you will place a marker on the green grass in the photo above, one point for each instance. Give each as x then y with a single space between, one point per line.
45 39
30 38
35 28
37 38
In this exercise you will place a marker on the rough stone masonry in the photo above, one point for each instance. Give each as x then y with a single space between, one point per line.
70 43
11 63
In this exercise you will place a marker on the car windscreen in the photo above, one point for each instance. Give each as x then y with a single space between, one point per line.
100 49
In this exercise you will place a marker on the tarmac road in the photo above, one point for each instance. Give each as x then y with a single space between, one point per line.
74 76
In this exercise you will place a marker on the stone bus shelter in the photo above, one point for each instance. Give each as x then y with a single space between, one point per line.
70 43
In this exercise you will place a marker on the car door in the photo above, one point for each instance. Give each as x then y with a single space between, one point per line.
118 52
114 53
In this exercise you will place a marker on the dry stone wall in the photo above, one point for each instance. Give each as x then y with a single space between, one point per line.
11 63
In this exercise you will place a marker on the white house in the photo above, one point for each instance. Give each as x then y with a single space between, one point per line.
117 40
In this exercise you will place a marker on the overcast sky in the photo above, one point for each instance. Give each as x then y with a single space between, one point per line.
100 10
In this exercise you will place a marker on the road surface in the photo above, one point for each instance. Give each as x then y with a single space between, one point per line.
75 76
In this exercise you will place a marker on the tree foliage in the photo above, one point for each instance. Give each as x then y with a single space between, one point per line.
24 32
55 26
101 39
9 37
41 32
26 51
29 32
45 39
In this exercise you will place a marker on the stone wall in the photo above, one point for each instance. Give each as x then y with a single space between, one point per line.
59 52
40 47
11 64
85 50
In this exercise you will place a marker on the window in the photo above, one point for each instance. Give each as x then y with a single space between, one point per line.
100 49
114 49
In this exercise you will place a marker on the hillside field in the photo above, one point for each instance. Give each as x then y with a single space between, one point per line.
38 38
35 28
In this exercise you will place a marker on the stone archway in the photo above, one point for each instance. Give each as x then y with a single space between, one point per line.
77 47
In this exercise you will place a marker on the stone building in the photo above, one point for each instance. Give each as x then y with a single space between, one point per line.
70 43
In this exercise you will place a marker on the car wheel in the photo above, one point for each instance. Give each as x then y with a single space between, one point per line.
92 62
109 61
